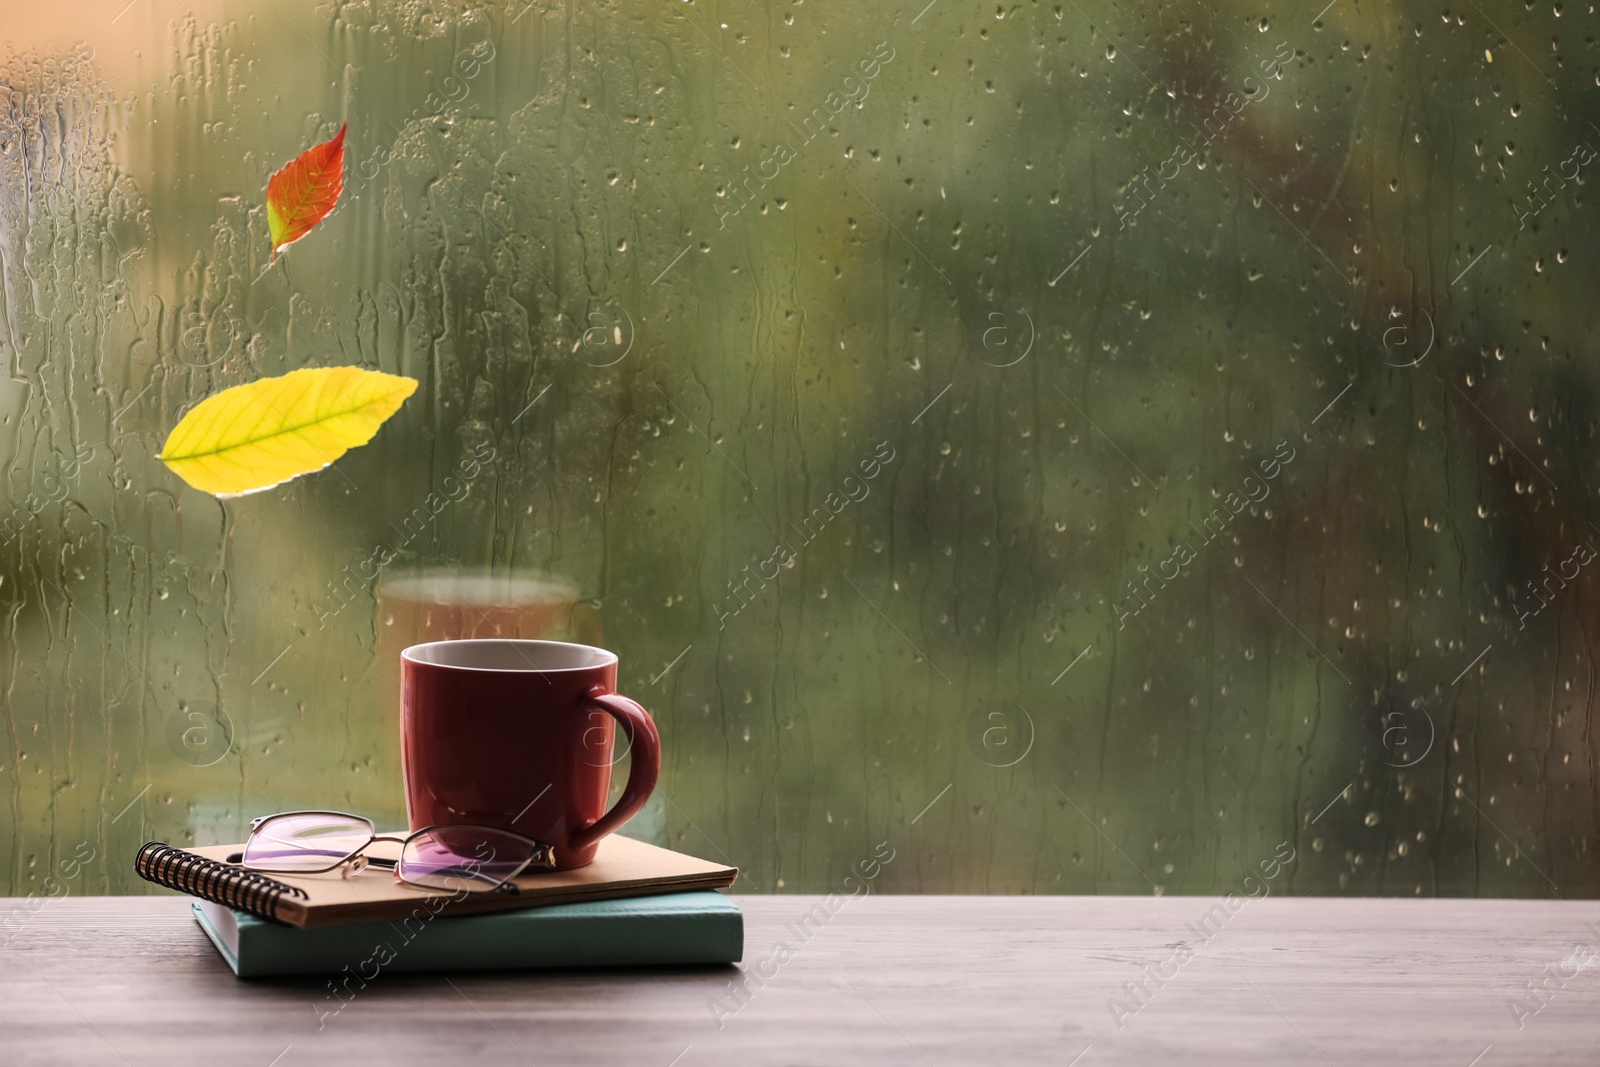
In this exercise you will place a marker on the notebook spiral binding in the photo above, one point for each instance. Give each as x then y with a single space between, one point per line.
207 879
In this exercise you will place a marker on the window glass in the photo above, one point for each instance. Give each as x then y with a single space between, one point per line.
1088 447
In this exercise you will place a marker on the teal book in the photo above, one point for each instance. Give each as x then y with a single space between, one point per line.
702 927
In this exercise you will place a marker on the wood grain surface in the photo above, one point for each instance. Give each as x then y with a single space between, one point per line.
883 980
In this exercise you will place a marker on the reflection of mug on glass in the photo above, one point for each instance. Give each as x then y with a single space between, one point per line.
438 604
520 735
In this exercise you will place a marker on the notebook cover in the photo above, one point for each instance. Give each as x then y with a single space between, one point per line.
676 928
622 868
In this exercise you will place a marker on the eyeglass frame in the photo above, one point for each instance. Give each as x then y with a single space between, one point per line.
543 856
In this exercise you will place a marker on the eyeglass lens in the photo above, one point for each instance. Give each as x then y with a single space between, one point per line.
305 841
464 857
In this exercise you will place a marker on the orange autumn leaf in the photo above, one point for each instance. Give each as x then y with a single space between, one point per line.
303 193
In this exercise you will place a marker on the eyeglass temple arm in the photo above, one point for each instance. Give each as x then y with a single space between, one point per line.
381 861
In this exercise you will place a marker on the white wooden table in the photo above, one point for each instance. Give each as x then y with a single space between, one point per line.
887 980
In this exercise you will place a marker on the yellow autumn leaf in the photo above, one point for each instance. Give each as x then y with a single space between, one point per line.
255 436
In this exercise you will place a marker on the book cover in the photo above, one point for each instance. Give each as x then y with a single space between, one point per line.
623 867
676 928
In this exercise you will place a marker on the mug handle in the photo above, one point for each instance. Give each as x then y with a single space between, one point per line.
645 749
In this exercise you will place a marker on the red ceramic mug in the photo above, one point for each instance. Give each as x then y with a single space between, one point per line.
520 735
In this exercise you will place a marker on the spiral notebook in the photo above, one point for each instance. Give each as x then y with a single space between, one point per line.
622 868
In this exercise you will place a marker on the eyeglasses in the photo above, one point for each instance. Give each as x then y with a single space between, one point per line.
453 857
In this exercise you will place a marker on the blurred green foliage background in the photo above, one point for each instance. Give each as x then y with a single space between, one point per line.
1086 273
